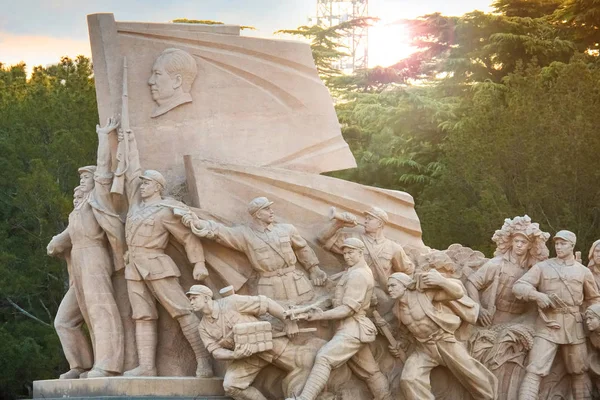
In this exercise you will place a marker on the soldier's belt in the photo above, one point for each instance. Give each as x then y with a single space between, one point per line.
143 250
89 243
510 306
279 272
565 310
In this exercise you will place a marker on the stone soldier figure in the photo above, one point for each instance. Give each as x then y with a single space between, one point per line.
354 329
216 330
592 321
559 286
273 250
93 227
151 274
428 309
594 261
383 255
520 244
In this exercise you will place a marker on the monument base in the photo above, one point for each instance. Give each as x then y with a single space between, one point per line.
131 388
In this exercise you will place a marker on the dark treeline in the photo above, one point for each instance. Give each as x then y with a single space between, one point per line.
494 116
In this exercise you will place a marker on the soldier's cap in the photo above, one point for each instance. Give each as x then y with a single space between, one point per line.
227 291
566 235
200 289
591 253
401 277
353 243
593 310
258 204
87 168
379 214
152 175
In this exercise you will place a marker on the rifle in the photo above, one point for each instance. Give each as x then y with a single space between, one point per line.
384 328
177 210
118 185
299 313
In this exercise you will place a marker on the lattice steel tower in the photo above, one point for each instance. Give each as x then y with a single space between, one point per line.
333 12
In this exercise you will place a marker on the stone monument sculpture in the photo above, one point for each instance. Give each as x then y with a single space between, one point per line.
220 319
520 244
427 307
273 250
151 274
559 286
355 330
227 119
94 238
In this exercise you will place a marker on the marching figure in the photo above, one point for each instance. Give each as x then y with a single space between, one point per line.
151 274
219 320
428 308
520 244
93 227
354 329
273 250
559 286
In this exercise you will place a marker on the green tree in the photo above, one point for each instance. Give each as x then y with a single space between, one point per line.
47 131
527 145
326 44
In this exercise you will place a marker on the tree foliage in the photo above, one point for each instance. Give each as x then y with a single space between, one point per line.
46 132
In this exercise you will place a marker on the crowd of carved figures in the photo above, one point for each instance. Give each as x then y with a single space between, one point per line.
406 322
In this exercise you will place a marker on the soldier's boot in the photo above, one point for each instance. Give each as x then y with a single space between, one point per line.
379 387
74 373
189 326
249 393
146 338
100 373
530 386
581 387
316 382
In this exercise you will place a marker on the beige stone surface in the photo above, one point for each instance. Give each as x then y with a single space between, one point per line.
273 249
152 276
428 310
93 244
354 330
302 199
255 101
122 386
224 329
560 287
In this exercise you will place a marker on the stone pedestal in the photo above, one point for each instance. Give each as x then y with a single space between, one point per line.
130 388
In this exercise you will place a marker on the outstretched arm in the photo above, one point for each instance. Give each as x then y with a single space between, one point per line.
104 175
103 159
230 237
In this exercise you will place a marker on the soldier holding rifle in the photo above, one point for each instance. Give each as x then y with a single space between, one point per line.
217 331
354 330
151 274
559 286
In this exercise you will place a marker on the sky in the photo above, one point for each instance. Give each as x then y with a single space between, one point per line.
39 32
